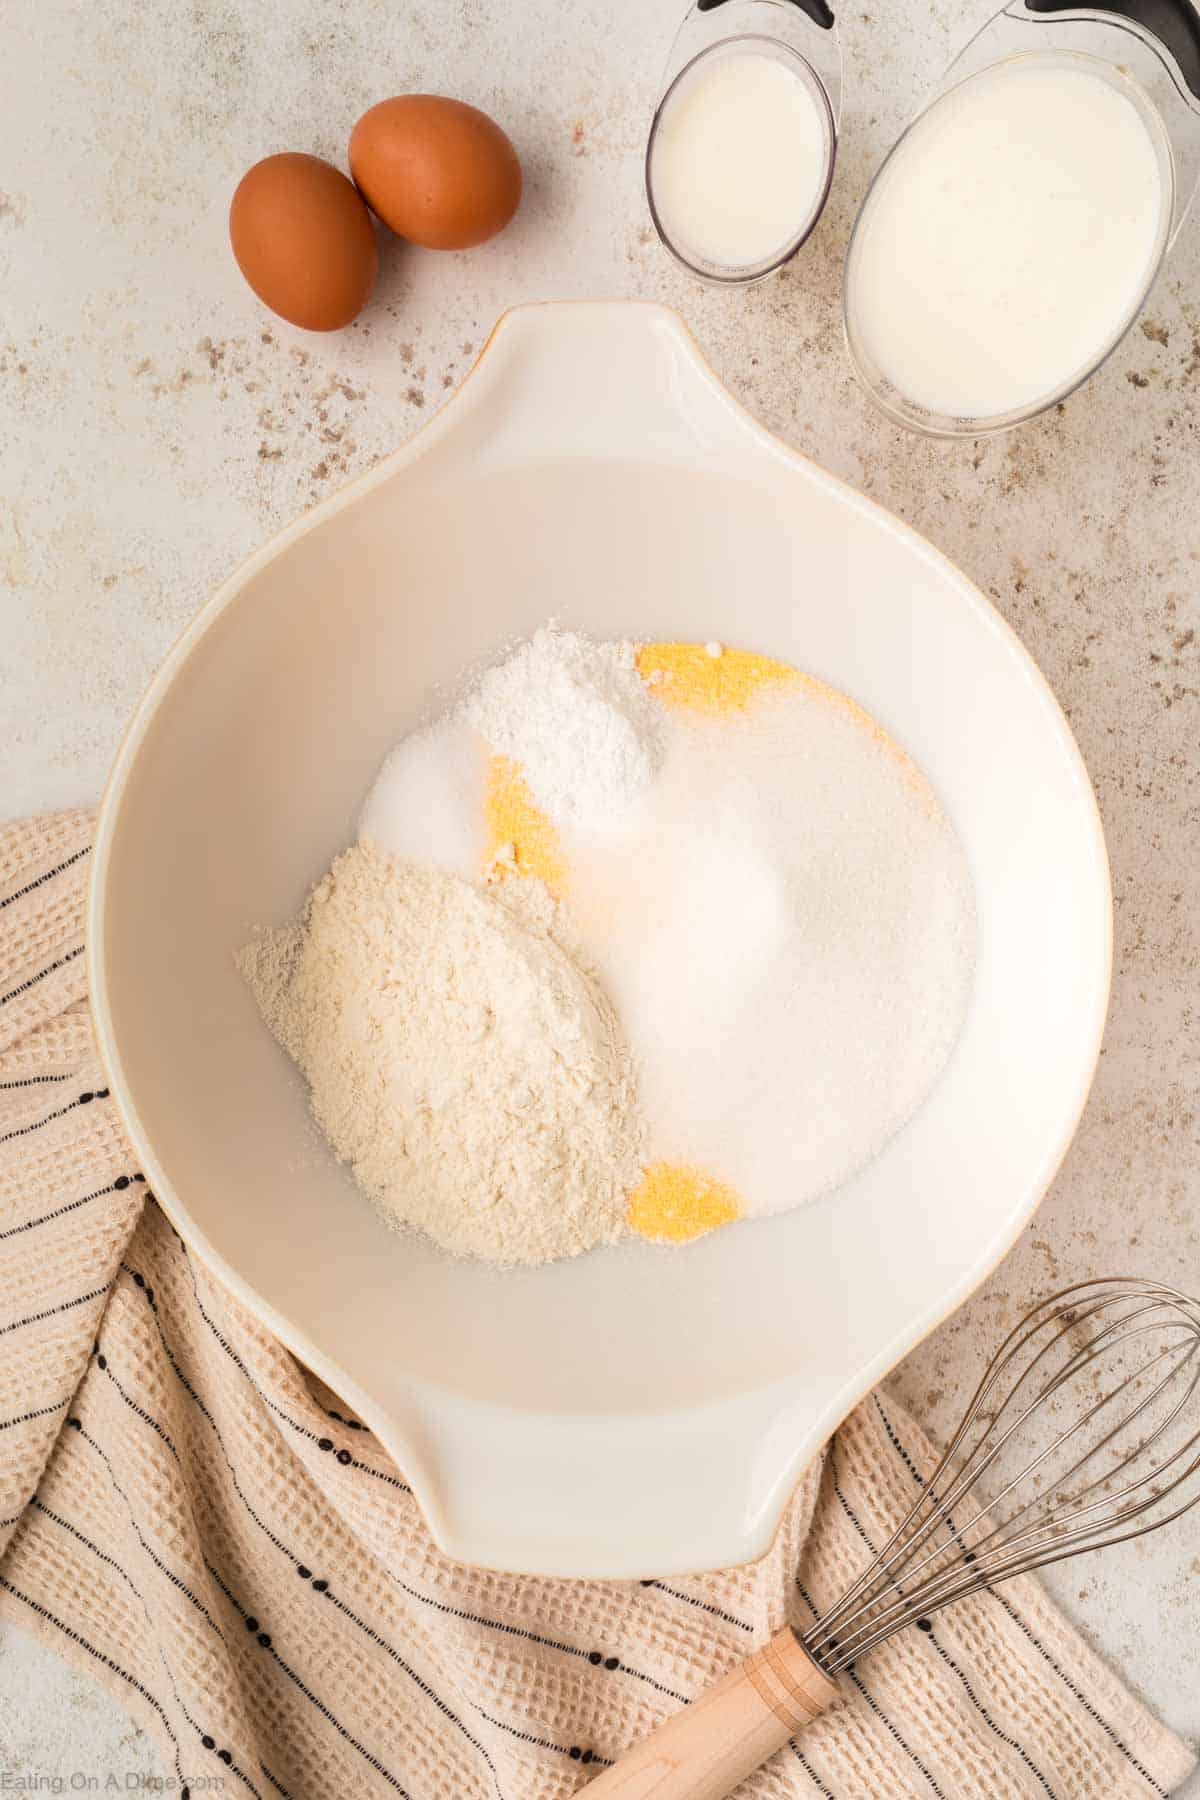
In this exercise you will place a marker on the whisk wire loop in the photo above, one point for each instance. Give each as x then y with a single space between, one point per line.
1086 1424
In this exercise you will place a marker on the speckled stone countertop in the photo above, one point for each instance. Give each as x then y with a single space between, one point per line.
156 425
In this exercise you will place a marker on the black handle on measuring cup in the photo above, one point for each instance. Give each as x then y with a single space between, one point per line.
1175 23
817 11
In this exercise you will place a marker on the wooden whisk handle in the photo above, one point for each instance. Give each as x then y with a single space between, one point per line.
703 1752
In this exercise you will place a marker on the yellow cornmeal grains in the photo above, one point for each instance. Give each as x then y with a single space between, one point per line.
675 1202
710 678
713 680
521 840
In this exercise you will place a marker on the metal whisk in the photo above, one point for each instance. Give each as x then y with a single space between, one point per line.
1084 1431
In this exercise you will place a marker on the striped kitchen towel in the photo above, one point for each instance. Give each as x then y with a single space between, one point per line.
189 1516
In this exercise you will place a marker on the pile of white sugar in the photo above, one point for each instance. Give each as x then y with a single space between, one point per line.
786 930
471 1075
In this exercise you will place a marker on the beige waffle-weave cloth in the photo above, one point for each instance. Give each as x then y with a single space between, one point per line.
189 1517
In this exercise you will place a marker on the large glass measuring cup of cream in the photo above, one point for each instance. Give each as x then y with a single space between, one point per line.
1013 233
741 149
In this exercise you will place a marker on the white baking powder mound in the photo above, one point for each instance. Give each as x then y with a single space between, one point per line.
577 716
786 931
574 714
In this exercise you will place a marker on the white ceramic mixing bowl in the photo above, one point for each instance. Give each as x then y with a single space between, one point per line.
637 1411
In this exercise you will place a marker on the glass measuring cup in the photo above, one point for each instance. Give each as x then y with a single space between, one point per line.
1149 50
798 35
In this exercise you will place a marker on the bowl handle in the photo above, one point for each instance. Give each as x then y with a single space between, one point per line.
631 369
712 1483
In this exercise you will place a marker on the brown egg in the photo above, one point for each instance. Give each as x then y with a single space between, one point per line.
439 172
304 240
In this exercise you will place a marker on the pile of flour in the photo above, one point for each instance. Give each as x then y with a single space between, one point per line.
463 1065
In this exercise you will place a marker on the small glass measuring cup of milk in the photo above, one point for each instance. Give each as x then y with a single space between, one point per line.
1011 236
741 148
